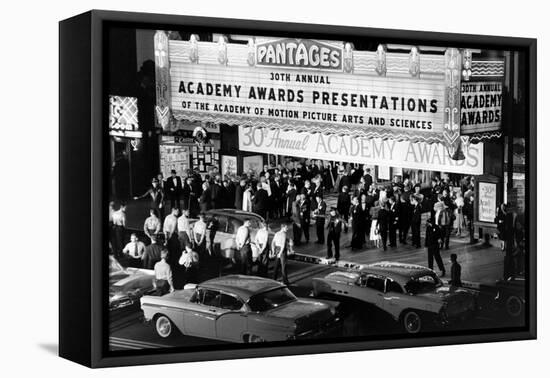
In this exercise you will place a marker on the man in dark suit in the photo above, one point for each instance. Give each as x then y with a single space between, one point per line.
357 226
239 193
334 228
173 188
343 204
276 197
368 178
260 201
393 219
319 214
216 193
405 215
205 200
383 223
432 243
305 216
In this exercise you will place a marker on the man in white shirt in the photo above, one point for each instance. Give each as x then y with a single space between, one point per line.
243 245
170 223
279 248
163 276
199 235
184 230
261 241
134 251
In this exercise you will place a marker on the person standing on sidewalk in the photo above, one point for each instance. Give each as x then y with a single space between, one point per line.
118 218
334 228
262 243
383 224
152 224
242 240
416 220
173 188
393 220
343 204
356 218
170 223
279 250
432 243
319 215
155 195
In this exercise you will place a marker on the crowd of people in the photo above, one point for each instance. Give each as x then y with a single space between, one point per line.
379 215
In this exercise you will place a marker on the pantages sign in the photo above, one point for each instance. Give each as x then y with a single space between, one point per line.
300 53
375 151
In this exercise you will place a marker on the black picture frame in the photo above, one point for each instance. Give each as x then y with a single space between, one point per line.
83 163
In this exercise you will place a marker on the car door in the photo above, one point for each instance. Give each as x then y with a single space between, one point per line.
375 285
232 321
201 319
393 297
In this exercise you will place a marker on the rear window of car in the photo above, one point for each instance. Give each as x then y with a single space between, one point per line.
230 302
232 225
376 283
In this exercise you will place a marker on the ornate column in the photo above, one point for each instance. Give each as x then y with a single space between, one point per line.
162 80
451 113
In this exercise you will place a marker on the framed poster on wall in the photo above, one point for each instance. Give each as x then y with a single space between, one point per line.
229 165
254 163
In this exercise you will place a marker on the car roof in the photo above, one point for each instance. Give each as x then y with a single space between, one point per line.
241 214
401 272
241 285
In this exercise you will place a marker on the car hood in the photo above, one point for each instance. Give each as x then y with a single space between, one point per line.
131 281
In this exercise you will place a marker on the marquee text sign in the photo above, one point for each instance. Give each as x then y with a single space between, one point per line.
481 106
372 151
300 53
309 101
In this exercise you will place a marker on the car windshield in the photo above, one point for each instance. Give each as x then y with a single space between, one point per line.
271 299
114 266
423 284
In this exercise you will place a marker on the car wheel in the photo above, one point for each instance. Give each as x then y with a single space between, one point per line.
514 306
164 326
411 321
254 339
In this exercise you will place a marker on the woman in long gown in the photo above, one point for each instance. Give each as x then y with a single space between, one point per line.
374 236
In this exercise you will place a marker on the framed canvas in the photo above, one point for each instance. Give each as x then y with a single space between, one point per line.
234 188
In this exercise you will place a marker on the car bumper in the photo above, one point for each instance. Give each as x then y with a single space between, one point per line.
330 328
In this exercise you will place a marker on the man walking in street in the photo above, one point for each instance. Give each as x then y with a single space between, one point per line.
432 243
242 240
262 243
334 228
456 272
279 249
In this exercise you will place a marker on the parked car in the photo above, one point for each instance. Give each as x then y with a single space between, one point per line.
127 285
506 295
241 309
411 294
229 221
